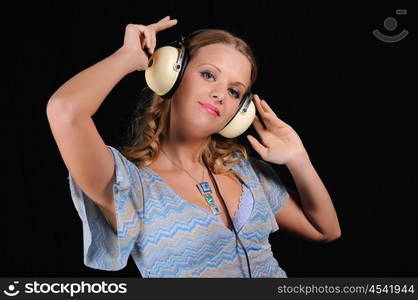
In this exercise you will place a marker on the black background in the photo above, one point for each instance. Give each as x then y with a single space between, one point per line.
350 97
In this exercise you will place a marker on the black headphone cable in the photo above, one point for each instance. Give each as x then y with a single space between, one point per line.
236 234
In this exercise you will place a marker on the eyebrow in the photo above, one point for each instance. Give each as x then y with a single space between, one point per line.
237 82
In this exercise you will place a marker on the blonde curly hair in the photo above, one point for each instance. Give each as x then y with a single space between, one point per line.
151 117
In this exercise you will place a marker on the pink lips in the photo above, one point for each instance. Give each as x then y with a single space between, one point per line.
210 108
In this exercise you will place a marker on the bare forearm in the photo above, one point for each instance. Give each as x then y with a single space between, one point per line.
314 197
85 92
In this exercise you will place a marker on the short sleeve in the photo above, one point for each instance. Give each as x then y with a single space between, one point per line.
104 248
275 190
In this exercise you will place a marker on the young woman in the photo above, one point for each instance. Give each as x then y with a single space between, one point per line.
148 200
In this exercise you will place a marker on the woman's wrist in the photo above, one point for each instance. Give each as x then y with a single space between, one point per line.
127 60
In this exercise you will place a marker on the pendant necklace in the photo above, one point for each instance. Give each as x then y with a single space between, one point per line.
203 187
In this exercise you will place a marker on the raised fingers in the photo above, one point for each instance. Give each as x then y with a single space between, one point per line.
164 24
153 41
267 114
147 37
258 125
260 108
150 39
163 19
258 104
267 108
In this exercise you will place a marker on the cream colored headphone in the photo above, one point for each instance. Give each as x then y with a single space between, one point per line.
165 71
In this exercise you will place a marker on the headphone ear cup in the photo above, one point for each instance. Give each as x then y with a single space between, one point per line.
162 72
241 120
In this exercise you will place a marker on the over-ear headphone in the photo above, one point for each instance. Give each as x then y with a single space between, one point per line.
165 72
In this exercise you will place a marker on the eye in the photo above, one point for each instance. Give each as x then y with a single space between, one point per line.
235 93
207 75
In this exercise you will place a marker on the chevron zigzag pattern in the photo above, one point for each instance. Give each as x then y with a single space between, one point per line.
169 237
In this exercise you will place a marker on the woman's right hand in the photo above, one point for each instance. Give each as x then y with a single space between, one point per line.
138 36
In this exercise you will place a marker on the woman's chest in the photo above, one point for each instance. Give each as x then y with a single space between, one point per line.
228 186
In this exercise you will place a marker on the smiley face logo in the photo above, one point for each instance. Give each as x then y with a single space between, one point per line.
390 24
11 290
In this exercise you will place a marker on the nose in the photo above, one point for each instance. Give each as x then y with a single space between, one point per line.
218 95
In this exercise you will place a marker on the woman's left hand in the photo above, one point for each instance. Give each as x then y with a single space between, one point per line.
280 144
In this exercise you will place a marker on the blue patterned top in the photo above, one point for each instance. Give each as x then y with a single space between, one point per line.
170 237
